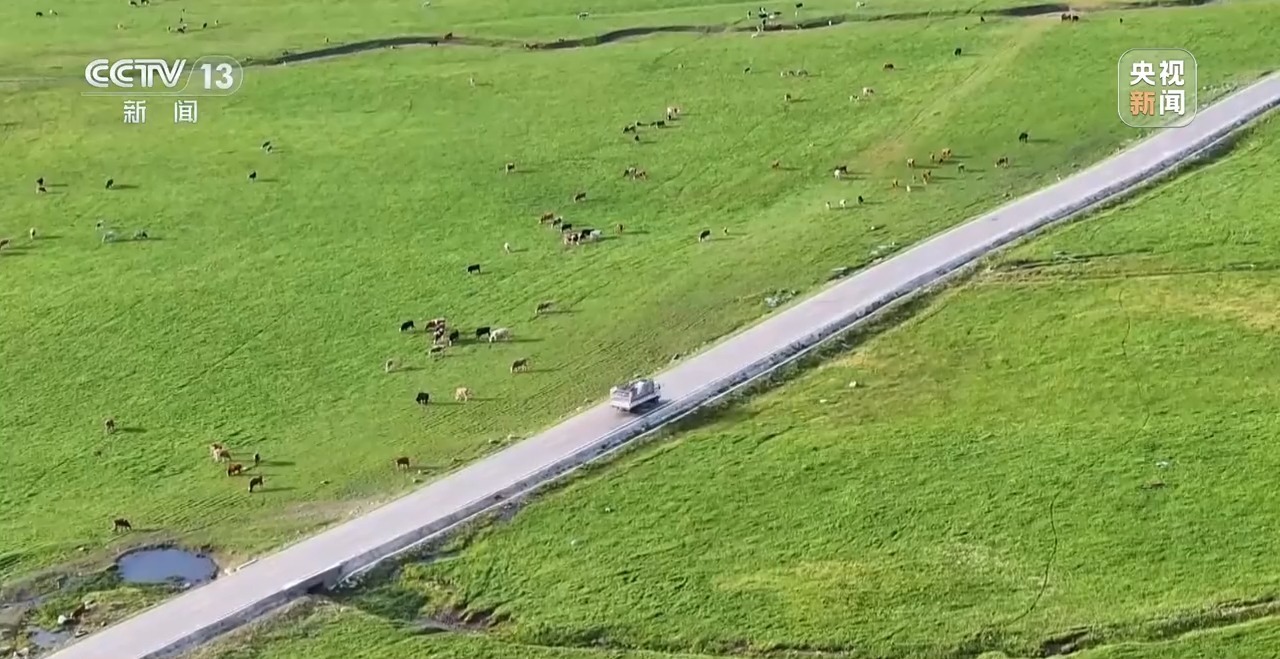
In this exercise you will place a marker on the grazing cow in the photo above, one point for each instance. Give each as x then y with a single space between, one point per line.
659 124
253 176
423 398
510 167
911 163
389 366
867 91
473 269
407 326
402 463
1075 18
542 306
39 14
462 394
673 112
581 196
500 334
222 455
40 181
946 154
546 217
860 199
933 158
109 425
704 236
786 98
235 469
896 183
1002 161
257 459
255 482
569 239
519 365
482 332
121 524
4 242
620 228
565 227
888 66
435 323
636 137
927 176
1024 137
436 351
960 168
454 335
140 234
957 52
40 189
111 183
630 128
777 164
109 237
557 222
214 448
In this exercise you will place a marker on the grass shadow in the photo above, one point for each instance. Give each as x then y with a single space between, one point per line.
268 489
537 370
123 186
265 179
1041 140
131 430
276 463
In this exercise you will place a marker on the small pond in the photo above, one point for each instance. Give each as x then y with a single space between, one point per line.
166 565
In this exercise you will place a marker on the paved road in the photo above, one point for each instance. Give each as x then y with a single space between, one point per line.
227 602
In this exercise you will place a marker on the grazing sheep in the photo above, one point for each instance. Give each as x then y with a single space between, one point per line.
704 236
462 394
256 482
109 426
402 463
500 334
519 365
121 524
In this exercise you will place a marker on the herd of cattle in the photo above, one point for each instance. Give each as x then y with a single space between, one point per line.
443 335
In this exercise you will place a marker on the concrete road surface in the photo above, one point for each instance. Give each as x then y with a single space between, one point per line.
234 599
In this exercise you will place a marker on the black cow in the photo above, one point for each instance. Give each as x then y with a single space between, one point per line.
859 199
121 524
407 326
110 183
957 53
482 332
706 233
566 227
1024 137
253 176
454 335
581 196
423 398
254 482
473 269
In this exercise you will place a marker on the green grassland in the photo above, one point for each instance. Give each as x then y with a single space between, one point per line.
1075 445
260 315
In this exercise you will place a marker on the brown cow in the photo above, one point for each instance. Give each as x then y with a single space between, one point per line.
223 455
546 217
519 365
402 463
542 307
254 482
235 469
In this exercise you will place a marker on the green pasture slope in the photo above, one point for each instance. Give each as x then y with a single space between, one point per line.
260 315
1100 404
